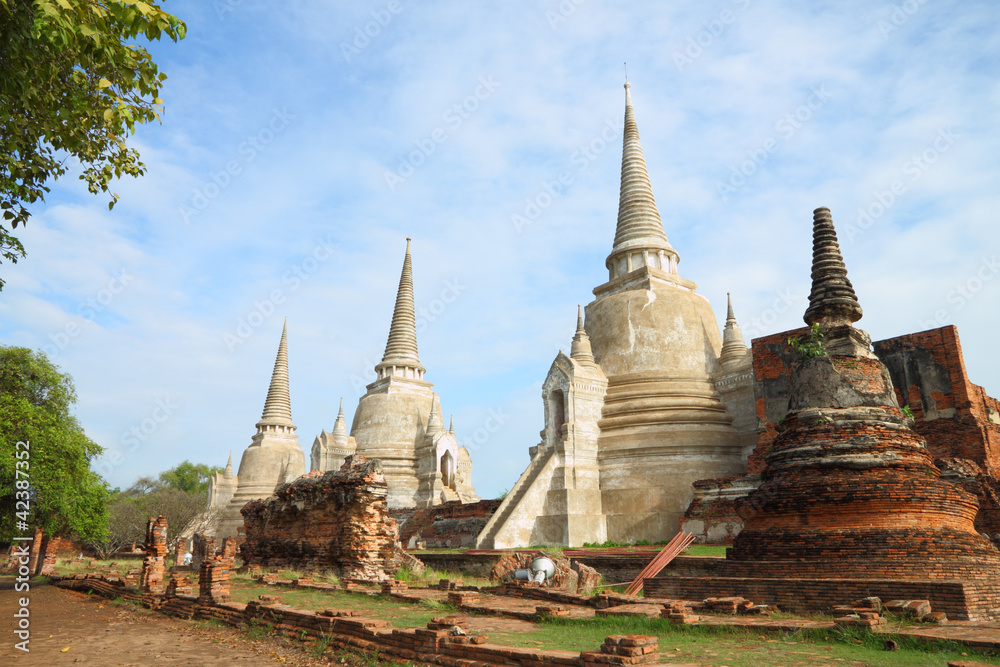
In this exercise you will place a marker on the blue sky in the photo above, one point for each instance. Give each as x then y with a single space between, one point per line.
302 142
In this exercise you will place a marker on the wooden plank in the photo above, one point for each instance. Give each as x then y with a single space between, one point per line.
676 546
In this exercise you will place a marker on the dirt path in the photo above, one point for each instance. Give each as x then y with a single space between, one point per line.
97 632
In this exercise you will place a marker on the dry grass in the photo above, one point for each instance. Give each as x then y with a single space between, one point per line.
430 577
69 566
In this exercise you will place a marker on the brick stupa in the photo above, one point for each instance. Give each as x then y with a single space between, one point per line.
851 502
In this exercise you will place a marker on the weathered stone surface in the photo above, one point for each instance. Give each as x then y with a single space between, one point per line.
399 421
832 301
273 457
449 525
557 500
330 450
635 415
958 420
851 492
222 486
335 521
712 516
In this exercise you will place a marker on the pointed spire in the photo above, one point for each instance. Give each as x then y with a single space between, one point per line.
733 346
340 426
401 348
580 349
228 472
278 407
451 426
639 224
434 423
832 301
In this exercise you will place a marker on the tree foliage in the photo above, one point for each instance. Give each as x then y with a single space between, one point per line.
129 512
66 497
189 477
73 83
179 494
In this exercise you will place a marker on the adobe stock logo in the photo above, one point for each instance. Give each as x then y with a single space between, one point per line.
453 118
363 36
248 150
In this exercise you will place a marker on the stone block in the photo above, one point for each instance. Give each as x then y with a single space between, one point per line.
909 608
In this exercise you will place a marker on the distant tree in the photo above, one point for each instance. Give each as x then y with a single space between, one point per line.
73 83
179 494
126 525
129 512
142 486
189 477
65 496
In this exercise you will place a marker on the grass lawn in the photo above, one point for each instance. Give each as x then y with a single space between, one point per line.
706 550
400 614
430 577
743 647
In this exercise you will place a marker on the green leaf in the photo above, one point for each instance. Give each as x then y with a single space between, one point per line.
74 84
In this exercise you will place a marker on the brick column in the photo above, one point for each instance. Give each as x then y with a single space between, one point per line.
34 562
180 548
229 551
151 579
204 549
213 581
623 650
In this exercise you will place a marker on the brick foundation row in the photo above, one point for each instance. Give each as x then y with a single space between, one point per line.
437 644
811 595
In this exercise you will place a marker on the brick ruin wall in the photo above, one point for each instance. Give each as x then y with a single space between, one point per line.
336 521
445 641
804 595
180 550
956 417
773 361
43 551
712 516
450 525
960 422
890 527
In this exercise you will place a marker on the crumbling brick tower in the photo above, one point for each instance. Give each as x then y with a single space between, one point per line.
151 579
849 490
337 521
